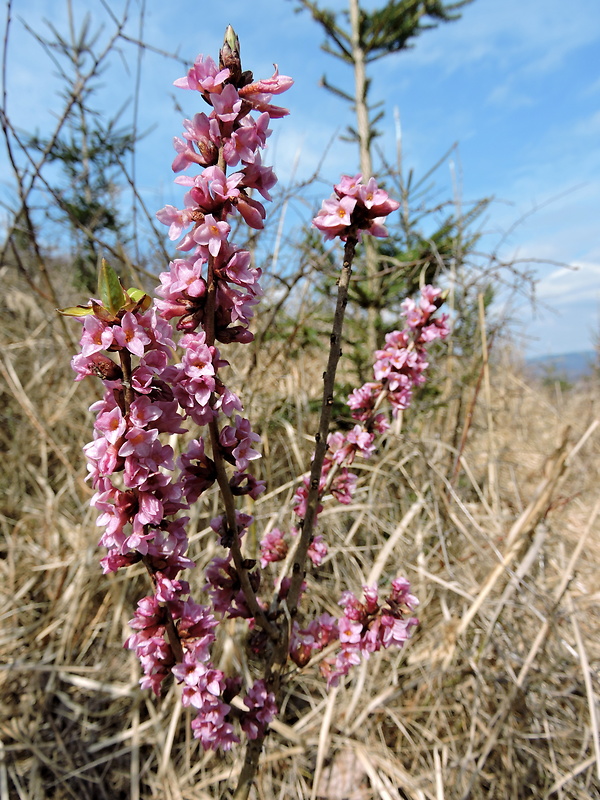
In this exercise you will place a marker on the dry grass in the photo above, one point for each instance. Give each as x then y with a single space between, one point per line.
497 694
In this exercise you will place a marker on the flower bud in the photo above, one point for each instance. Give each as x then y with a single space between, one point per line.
229 56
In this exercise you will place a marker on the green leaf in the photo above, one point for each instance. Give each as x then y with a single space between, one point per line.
110 289
139 297
76 311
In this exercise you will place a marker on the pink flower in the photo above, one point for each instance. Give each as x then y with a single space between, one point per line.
190 671
376 200
258 94
260 178
335 216
111 424
138 442
344 486
317 550
177 220
262 708
131 335
97 335
244 142
211 234
96 364
396 631
204 76
252 211
401 595
238 269
198 471
168 589
376 228
210 726
227 104
350 631
143 411
186 155
202 131
348 186
273 548
276 84
244 452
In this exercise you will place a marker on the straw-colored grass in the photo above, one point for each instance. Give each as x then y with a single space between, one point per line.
495 697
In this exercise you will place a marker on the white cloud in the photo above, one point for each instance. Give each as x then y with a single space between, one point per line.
589 127
536 35
579 283
509 97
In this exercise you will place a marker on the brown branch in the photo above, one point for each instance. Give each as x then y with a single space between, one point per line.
125 359
335 351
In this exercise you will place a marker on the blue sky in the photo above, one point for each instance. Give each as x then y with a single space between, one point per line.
515 82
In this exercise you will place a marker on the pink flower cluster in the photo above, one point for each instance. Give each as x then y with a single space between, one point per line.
400 366
129 466
203 685
364 628
140 491
355 206
398 369
139 497
229 136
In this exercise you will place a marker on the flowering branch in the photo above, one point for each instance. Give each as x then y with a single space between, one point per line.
141 493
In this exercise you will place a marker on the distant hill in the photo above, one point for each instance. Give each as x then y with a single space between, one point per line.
568 366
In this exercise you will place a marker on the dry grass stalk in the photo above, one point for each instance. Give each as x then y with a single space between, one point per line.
587 678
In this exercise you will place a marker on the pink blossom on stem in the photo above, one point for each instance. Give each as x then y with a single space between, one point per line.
140 493
212 234
273 548
204 76
177 220
131 467
335 216
262 708
97 335
317 550
276 84
355 206
365 627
